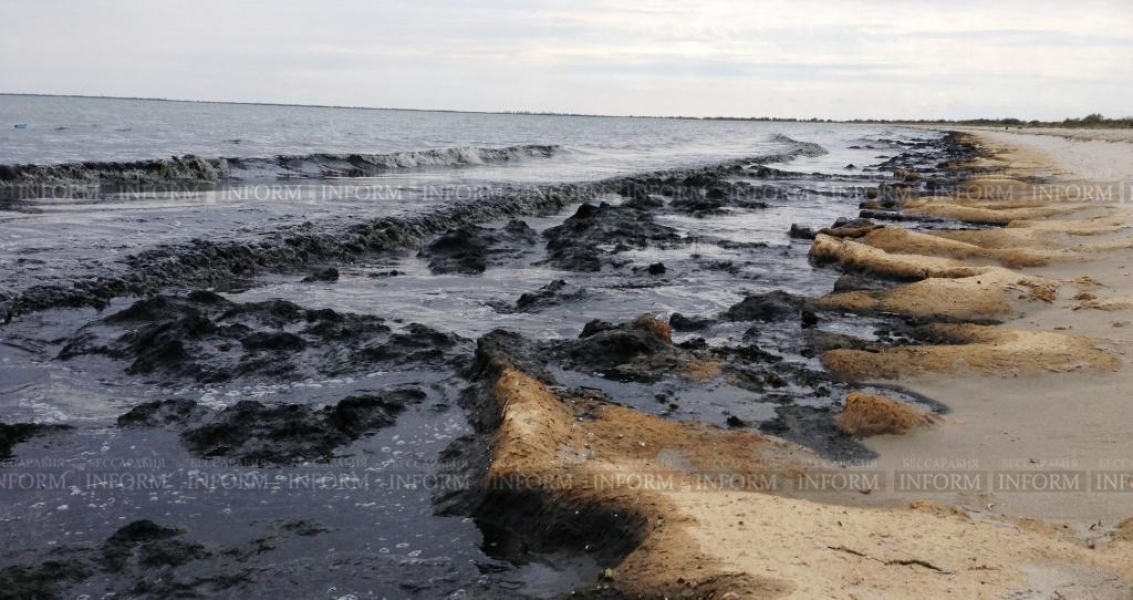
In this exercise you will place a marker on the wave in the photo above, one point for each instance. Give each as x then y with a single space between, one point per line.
800 148
212 262
194 169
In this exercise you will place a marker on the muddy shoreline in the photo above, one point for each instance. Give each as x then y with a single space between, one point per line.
768 345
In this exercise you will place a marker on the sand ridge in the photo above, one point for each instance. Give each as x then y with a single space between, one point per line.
725 541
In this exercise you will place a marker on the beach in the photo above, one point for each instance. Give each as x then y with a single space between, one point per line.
1039 400
660 359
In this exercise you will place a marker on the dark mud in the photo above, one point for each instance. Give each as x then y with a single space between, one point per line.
555 293
144 559
748 362
17 433
771 306
578 244
327 275
470 250
206 338
251 432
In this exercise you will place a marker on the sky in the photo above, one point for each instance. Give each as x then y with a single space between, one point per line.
1031 59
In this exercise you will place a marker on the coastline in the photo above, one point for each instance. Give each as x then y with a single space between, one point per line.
983 289
1049 375
1070 422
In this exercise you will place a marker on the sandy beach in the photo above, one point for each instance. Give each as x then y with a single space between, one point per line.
607 300
1066 419
1073 422
1040 397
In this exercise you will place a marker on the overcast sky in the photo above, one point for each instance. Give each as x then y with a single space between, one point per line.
792 58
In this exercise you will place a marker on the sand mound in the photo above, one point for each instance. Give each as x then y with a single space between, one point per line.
562 465
975 348
1124 531
867 415
585 462
898 240
1001 238
987 296
1079 227
986 216
856 257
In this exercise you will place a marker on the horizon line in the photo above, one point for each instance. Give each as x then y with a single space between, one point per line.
921 121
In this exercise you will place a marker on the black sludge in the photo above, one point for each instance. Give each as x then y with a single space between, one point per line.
207 338
280 434
576 244
470 250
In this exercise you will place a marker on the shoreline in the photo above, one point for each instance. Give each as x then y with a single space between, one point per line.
995 378
1068 423
598 448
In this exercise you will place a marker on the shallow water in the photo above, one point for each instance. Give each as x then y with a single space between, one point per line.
382 540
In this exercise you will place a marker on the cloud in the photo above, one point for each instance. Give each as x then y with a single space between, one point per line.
1031 58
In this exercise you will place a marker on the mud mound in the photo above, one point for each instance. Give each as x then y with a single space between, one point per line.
706 198
254 433
212 263
867 415
207 338
776 305
983 349
575 245
553 294
141 560
18 433
641 350
679 322
327 275
989 296
164 413
470 250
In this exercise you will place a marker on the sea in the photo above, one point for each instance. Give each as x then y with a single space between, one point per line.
92 187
